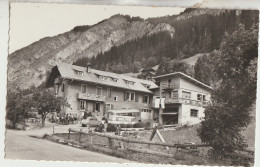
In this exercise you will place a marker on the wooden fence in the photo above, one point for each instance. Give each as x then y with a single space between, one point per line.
112 138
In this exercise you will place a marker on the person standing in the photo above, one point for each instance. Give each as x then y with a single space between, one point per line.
105 123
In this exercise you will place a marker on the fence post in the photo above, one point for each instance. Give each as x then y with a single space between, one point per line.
80 135
69 134
91 141
111 143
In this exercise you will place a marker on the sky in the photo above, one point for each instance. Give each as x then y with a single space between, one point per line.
30 22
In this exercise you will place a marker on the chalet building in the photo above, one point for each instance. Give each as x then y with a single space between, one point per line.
148 73
177 99
180 99
95 91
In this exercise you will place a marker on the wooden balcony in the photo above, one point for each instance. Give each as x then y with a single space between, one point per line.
92 97
167 87
179 100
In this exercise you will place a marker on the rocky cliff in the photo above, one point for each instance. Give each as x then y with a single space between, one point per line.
192 32
30 65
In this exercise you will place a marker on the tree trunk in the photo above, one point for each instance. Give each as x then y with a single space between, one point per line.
43 120
14 121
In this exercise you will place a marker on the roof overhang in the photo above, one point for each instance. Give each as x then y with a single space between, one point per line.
56 73
186 77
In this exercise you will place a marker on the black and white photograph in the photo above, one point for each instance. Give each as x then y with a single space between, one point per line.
131 84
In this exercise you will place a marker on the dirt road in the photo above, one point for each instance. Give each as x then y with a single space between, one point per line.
21 146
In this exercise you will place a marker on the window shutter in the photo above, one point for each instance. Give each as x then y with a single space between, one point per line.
94 106
143 98
112 106
125 96
136 97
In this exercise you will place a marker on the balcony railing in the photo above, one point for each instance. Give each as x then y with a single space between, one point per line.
186 101
179 100
93 97
167 86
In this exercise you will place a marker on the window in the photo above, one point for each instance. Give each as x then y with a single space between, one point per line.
129 82
146 99
169 81
103 77
193 113
114 79
146 110
163 94
204 98
109 92
108 106
63 87
56 89
175 94
115 98
83 88
147 86
99 90
80 73
199 97
82 105
130 96
158 83
186 95
97 107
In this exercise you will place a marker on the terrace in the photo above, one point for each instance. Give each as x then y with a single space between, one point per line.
92 97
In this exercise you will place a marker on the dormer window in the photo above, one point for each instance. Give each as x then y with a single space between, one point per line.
80 73
103 78
147 86
114 79
129 82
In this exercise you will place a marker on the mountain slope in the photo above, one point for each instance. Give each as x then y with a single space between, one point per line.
29 65
122 41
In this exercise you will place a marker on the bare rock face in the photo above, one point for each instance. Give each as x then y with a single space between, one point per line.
30 65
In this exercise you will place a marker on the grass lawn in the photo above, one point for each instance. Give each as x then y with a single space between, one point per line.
181 136
180 158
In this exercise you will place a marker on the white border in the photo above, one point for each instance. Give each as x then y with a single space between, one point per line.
4 26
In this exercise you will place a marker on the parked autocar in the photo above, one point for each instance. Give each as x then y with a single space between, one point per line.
124 116
91 121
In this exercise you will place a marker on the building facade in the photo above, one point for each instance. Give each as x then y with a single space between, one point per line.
94 91
177 99
180 99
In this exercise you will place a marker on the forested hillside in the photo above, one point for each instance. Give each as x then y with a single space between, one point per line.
125 44
196 31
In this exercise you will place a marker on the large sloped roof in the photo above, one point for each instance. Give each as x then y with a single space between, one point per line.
186 77
69 71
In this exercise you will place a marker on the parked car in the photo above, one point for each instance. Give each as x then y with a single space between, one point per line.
91 121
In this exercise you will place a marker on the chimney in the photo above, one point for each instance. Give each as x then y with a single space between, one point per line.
88 68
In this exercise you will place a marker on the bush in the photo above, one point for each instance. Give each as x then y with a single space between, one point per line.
139 125
148 126
180 156
111 128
